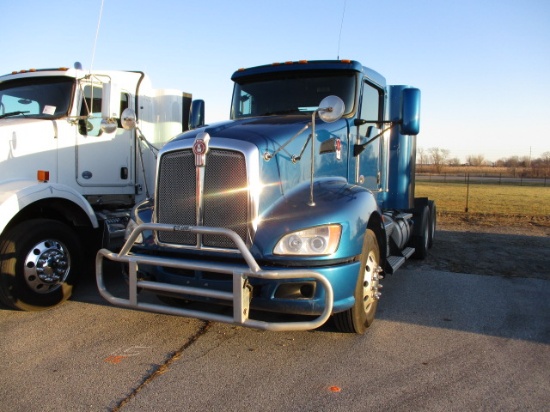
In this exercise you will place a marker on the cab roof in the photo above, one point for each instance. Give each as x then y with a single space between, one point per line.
304 65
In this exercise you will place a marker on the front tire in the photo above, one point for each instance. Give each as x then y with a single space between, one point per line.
38 264
359 317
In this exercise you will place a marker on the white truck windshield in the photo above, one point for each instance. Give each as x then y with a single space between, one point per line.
291 93
44 97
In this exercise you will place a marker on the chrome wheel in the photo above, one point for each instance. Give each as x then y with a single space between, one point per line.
361 315
47 266
371 282
39 263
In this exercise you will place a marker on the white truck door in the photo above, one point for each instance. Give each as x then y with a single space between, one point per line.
105 161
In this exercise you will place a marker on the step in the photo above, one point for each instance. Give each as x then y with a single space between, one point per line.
395 262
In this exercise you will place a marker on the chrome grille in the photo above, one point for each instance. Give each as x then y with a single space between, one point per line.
176 202
225 197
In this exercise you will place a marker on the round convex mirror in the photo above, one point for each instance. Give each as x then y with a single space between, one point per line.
331 109
108 126
128 119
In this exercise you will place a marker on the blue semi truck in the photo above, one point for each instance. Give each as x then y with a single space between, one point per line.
300 204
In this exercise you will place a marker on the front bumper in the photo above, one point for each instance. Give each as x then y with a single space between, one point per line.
239 297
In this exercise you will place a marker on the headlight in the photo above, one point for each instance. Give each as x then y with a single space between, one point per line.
321 240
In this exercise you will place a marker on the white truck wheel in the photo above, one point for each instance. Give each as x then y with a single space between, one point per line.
38 260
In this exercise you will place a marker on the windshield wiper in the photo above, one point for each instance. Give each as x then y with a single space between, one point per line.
9 114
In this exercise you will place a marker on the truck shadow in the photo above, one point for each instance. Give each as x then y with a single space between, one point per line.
495 284
465 284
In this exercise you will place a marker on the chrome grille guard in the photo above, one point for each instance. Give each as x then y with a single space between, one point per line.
240 296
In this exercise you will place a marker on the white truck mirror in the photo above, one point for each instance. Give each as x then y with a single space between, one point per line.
128 119
108 125
110 101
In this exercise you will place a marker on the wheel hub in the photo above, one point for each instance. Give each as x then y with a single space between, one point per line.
47 266
371 282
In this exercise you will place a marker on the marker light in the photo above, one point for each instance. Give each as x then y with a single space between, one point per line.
42 175
320 240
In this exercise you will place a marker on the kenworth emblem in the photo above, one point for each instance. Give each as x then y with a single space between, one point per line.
200 148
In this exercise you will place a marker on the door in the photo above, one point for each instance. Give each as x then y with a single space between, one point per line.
105 161
368 162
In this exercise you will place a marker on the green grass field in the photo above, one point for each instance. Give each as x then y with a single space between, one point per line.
487 198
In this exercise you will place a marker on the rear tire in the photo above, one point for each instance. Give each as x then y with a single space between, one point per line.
421 239
359 317
38 263
433 223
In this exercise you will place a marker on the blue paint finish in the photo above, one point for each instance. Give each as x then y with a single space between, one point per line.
335 202
402 158
410 112
297 66
284 205
342 278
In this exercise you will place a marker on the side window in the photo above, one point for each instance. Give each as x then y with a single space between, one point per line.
92 101
244 104
368 166
370 108
91 107
124 104
124 101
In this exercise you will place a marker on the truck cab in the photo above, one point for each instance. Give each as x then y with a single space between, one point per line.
70 173
299 204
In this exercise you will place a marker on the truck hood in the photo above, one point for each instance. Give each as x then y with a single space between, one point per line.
26 144
274 135
9 125
265 132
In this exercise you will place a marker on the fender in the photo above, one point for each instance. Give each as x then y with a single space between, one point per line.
15 195
336 201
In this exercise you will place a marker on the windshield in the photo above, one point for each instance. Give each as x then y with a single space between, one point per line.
291 93
44 97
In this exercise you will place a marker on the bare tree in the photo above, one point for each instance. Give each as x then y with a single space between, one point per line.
476 160
439 157
545 159
512 161
421 156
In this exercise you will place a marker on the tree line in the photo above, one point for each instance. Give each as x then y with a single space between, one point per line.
437 160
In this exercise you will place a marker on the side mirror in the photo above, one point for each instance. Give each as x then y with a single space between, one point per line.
128 119
196 115
108 125
410 111
110 101
331 109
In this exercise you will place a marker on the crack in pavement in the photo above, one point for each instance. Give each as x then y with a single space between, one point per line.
156 372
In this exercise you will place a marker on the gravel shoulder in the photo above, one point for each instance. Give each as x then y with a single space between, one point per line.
496 246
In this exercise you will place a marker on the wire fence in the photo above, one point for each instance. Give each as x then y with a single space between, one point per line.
483 178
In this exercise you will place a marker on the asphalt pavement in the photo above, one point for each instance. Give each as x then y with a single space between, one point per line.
441 341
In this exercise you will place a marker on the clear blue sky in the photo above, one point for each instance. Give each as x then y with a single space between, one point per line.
483 65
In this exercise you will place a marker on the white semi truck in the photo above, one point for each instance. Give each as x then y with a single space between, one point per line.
70 174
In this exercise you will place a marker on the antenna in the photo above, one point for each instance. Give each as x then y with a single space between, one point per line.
340 35
96 35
